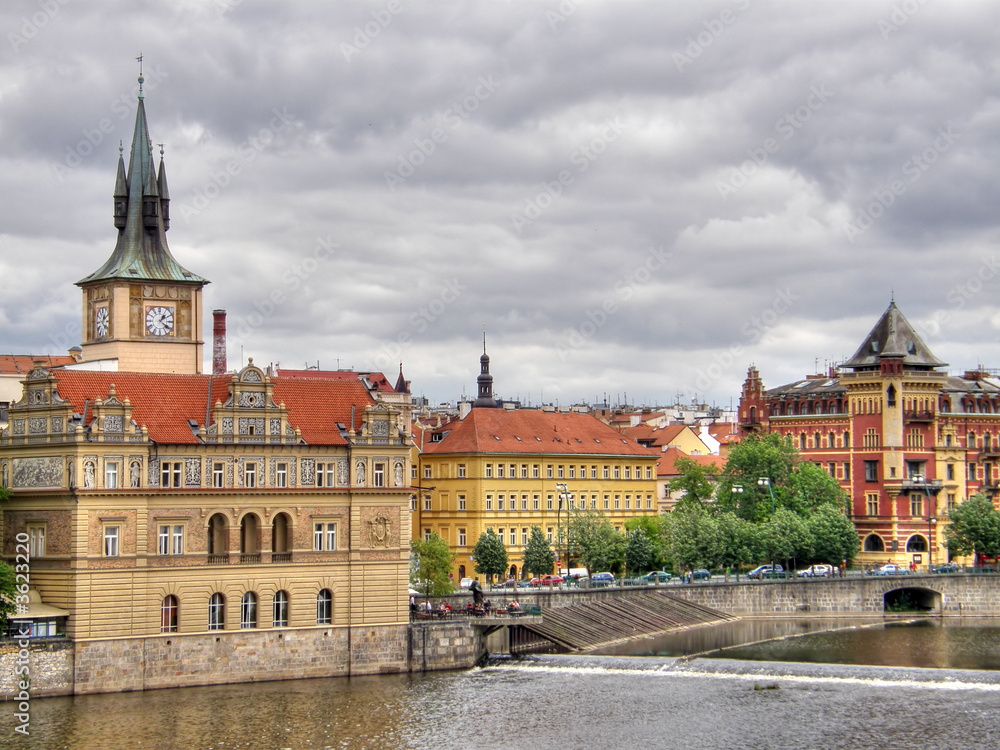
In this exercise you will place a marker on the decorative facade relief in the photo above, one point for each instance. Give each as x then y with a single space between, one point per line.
57 424
36 473
17 426
192 472
153 473
275 427
256 424
343 473
114 423
380 428
242 462
38 425
227 425
251 400
379 528
308 467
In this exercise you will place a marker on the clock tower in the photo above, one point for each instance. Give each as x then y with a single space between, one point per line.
142 307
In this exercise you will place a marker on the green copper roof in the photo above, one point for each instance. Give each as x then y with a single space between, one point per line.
141 253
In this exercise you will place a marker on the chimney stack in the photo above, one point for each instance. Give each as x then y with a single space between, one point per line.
219 342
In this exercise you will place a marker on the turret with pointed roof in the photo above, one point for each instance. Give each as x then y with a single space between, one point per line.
893 337
141 307
485 398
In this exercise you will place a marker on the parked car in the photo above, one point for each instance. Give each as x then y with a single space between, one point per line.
602 579
820 570
766 571
891 569
948 567
547 581
700 574
657 576
465 583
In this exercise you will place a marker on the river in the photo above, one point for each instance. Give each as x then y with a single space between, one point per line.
608 701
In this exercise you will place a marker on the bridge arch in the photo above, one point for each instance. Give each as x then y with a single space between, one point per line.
911 599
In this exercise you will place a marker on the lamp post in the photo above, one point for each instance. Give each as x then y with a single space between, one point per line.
766 482
931 520
563 497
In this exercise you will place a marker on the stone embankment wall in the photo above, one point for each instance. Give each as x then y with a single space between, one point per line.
61 667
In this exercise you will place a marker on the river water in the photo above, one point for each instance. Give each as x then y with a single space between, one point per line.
608 701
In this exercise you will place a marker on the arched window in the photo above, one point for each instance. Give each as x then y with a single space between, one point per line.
816 443
916 543
874 543
971 442
324 607
461 572
248 610
217 612
847 439
218 535
802 441
250 535
168 614
832 440
280 618
281 538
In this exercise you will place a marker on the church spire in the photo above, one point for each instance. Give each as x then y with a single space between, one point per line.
484 381
141 216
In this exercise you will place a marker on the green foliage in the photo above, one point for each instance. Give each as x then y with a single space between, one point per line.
652 527
810 487
490 554
788 536
539 559
834 537
696 481
594 542
974 527
640 554
692 535
760 455
432 565
740 542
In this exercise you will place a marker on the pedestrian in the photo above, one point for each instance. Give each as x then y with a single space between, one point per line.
413 604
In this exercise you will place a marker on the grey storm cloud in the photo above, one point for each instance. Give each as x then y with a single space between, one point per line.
632 197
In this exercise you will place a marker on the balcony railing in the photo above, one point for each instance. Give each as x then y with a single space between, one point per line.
250 558
281 557
222 559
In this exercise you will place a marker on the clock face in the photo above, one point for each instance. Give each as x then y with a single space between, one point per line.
101 320
160 320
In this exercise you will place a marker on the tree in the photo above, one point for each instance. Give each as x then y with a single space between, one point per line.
433 563
974 527
594 541
652 527
760 455
8 582
639 552
834 537
490 555
811 487
739 541
696 481
692 536
788 537
539 558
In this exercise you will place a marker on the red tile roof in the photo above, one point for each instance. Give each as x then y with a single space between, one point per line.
17 364
535 431
164 403
666 466
665 434
377 379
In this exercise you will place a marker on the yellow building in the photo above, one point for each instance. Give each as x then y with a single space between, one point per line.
507 469
178 528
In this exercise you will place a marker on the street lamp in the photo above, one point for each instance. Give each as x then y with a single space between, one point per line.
766 482
931 520
563 496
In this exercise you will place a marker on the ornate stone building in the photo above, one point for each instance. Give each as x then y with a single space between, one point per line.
187 528
906 440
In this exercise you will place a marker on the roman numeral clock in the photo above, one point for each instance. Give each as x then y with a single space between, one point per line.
160 320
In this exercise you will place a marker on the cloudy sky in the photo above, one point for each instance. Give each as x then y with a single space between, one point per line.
634 198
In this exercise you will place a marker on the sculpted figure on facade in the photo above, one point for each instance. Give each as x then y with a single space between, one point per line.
88 475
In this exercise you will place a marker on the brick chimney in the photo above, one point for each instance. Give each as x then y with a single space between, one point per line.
219 342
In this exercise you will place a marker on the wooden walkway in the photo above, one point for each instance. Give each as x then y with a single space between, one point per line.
581 627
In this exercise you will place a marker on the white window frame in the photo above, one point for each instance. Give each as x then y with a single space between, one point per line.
461 537
324 536
461 502
112 539
36 540
170 539
250 475
111 475
218 474
281 474
378 474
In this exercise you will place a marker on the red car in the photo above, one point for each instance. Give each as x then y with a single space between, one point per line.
546 581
